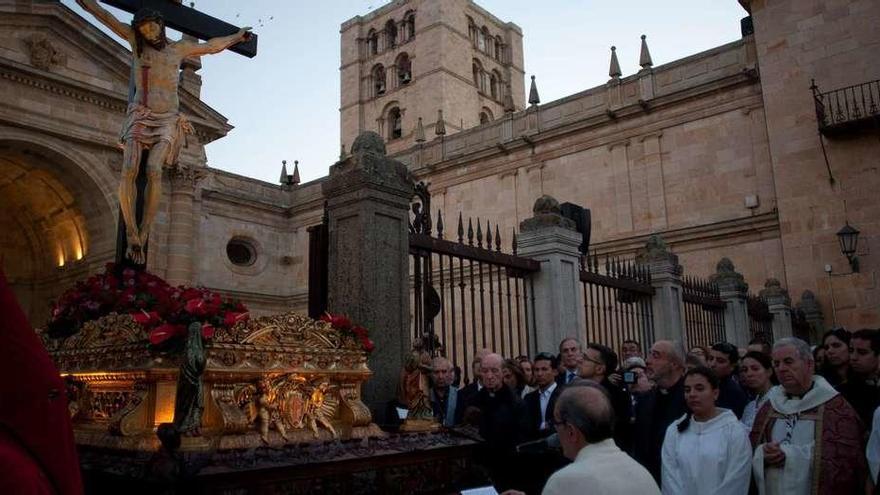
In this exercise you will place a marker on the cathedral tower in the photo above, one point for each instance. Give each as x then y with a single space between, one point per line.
411 59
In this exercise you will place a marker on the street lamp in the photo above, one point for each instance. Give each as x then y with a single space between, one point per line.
849 241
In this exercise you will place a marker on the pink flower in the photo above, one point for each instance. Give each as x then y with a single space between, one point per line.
231 318
208 331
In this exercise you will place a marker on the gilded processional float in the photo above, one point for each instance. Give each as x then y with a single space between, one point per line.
158 355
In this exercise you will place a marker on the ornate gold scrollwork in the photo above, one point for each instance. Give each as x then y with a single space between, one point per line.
135 416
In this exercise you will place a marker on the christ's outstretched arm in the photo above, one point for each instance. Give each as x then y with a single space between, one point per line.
107 19
213 45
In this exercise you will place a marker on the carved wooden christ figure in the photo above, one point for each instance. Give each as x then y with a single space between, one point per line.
153 123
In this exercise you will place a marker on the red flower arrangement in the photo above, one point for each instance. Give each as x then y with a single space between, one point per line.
356 332
162 310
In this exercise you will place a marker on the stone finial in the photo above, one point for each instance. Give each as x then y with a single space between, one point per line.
645 56
295 180
727 278
440 126
656 250
368 143
283 178
420 131
773 291
341 152
614 69
509 106
810 305
533 93
546 213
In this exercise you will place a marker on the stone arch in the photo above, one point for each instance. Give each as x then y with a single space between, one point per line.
60 221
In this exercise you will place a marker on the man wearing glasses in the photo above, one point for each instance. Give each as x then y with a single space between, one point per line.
599 362
584 420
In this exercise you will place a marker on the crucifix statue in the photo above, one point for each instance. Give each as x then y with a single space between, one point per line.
154 130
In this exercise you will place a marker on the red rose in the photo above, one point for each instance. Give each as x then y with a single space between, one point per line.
340 322
368 345
231 318
207 331
360 331
190 293
195 307
144 318
164 332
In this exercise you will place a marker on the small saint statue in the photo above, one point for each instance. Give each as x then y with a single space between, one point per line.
189 401
414 388
153 123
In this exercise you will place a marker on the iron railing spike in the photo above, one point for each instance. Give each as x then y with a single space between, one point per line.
439 224
470 232
497 239
513 240
488 235
479 233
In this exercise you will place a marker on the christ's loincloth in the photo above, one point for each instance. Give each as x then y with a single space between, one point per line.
148 128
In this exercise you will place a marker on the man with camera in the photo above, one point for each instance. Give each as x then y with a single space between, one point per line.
598 363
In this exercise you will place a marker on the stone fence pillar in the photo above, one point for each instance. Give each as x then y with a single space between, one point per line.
812 310
368 200
734 292
780 307
552 240
668 306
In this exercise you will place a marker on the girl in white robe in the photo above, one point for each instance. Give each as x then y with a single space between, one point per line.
708 450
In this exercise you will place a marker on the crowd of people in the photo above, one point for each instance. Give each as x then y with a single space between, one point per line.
780 419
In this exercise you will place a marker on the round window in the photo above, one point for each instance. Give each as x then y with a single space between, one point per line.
241 253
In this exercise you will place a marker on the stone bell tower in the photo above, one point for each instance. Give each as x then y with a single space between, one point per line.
413 59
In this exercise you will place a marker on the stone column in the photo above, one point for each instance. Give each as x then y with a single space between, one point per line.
181 231
368 198
780 307
734 292
668 306
812 310
552 240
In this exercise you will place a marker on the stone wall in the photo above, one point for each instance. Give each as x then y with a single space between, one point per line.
835 43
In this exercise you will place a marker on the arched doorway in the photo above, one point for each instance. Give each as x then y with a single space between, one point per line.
57 224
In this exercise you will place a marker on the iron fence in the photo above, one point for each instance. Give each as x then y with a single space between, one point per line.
617 297
800 327
467 292
703 312
760 319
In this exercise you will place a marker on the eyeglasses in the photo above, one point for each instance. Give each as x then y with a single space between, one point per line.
594 361
556 424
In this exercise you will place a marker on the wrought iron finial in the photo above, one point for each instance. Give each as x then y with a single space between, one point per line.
497 239
439 224
488 235
470 232
479 233
513 240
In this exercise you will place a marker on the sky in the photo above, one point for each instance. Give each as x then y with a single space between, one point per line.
284 104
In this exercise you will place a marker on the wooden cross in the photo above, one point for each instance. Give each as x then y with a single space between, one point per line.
189 21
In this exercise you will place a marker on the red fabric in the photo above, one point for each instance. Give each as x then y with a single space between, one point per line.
33 405
19 473
842 466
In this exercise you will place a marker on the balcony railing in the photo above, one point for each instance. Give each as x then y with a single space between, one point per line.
847 109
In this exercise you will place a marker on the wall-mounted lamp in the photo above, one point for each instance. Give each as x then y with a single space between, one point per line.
849 241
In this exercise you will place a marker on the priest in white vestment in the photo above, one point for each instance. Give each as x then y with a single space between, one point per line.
807 438
707 450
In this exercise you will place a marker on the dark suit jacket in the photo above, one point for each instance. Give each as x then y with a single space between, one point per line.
466 397
655 411
533 406
560 378
731 396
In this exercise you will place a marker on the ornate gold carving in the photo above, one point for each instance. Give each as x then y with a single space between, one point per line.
43 52
134 417
275 380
